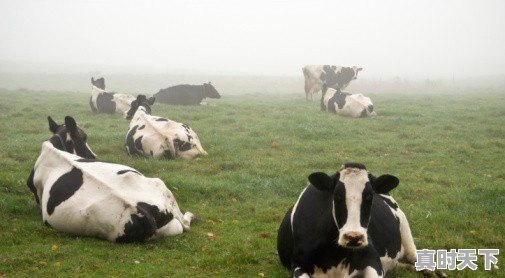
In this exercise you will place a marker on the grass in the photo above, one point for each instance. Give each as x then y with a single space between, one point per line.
447 150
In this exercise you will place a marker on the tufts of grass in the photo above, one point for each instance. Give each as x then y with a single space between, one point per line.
447 151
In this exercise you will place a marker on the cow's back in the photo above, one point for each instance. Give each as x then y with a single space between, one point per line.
181 95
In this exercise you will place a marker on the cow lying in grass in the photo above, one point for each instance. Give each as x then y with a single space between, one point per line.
346 225
82 196
345 104
187 94
159 137
105 102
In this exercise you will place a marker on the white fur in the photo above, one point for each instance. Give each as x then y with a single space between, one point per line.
123 103
104 203
159 136
354 181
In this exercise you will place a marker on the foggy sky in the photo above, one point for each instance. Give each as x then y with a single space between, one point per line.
387 38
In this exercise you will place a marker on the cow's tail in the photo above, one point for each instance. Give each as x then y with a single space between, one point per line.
142 226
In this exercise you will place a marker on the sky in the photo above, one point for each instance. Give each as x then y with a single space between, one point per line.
410 39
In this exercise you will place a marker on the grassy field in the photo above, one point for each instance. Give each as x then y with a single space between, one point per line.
447 150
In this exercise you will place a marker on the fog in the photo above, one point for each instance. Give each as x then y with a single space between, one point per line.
394 40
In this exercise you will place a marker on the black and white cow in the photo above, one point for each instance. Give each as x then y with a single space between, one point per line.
105 102
187 94
346 104
159 137
346 225
82 196
337 77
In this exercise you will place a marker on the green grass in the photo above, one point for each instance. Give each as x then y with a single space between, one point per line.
447 150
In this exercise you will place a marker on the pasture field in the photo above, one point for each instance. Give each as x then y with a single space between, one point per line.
448 150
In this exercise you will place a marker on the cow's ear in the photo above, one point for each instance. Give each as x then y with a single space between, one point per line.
321 181
53 126
71 125
92 80
385 183
151 100
359 69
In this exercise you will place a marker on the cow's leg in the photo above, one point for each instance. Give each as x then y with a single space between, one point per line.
172 228
370 272
299 273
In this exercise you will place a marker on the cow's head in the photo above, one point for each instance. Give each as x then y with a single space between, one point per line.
353 190
99 83
356 70
210 91
141 102
70 138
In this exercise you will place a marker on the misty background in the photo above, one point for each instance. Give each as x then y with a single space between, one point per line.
251 46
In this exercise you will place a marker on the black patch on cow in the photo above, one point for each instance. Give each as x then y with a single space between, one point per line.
69 145
86 160
57 142
363 114
285 240
384 228
142 127
130 143
161 218
366 205
182 145
168 154
362 258
354 165
105 103
138 142
161 120
31 185
63 188
126 171
141 226
47 224
370 108
390 203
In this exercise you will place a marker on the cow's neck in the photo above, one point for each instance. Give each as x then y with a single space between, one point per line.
51 155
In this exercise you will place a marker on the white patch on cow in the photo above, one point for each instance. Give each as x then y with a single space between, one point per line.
354 180
370 272
296 205
95 91
159 136
341 270
123 103
104 203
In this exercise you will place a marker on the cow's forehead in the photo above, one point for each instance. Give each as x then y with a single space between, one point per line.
354 177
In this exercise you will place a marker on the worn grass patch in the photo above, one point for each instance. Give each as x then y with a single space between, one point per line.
447 150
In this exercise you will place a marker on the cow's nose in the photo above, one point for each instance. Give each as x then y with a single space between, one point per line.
354 239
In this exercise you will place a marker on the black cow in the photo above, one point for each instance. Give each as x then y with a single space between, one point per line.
346 225
187 94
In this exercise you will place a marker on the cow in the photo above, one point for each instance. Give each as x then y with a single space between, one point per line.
346 225
102 101
82 196
158 137
337 77
346 104
187 94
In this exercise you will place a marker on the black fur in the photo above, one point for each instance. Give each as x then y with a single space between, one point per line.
105 103
64 188
187 94
141 226
126 171
130 143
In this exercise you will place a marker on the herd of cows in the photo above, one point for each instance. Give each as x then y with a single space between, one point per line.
343 225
